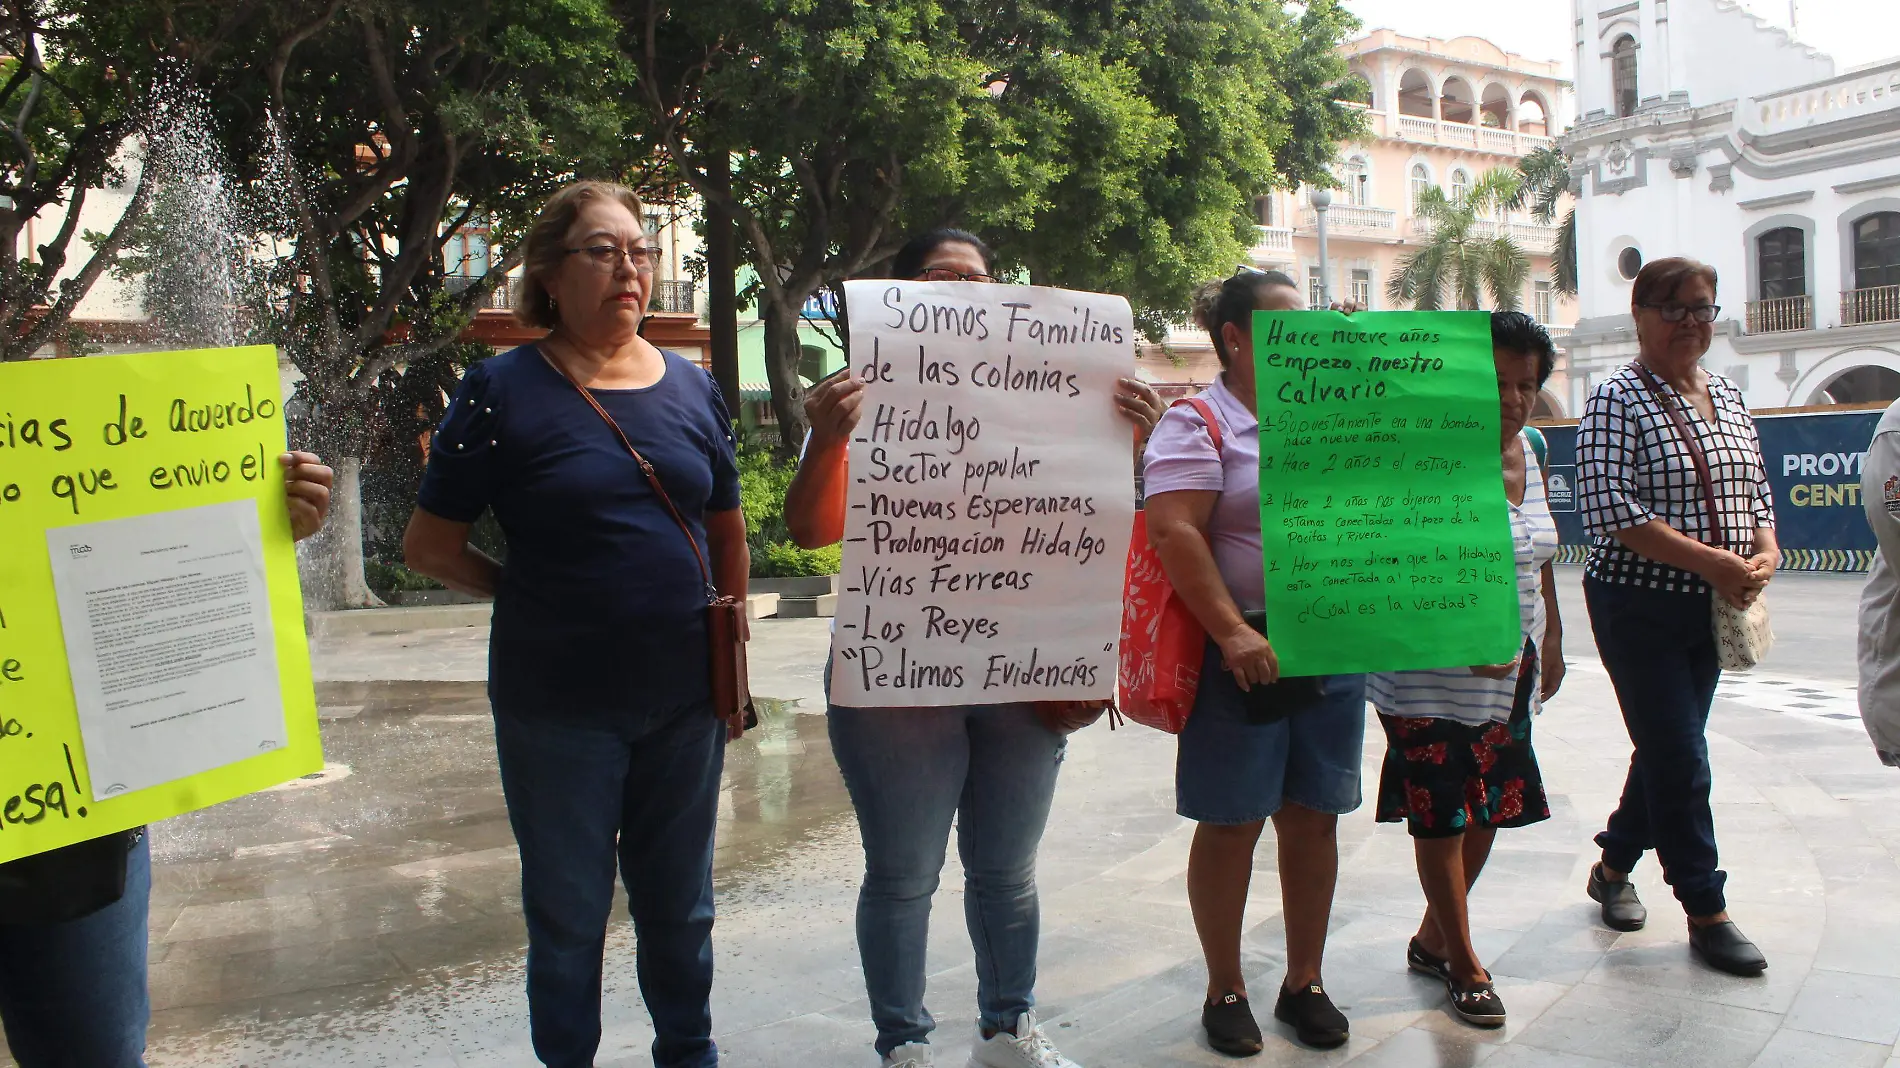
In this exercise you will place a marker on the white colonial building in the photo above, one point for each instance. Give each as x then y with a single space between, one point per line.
1706 132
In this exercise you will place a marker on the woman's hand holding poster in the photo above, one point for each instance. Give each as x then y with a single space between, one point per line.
991 495
1382 509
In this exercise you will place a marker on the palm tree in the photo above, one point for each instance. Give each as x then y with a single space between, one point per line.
1546 178
1460 264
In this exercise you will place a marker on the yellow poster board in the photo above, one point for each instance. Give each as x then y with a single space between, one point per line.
110 438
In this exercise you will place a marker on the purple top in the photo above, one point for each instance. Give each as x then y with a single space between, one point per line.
1181 456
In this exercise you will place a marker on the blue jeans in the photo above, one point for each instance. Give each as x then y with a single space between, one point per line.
648 793
73 994
910 772
1230 771
1659 648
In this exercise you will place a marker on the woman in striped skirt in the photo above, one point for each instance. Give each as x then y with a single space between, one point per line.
1458 761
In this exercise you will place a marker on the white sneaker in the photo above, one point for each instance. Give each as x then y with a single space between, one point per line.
910 1055
1027 1048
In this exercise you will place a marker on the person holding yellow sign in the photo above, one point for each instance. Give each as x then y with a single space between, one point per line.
73 937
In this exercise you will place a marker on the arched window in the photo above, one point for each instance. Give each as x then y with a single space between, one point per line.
1460 184
1421 181
1495 110
1781 258
1623 74
1533 116
1358 180
1415 95
1457 103
1877 251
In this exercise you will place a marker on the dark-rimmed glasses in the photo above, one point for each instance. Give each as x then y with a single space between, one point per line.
945 274
1675 313
606 258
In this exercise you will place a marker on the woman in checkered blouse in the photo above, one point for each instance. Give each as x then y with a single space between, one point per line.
1655 557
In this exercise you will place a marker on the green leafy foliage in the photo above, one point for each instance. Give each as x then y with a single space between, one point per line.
764 478
1107 146
1546 181
1460 264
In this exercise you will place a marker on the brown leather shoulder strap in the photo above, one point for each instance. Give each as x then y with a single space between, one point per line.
653 479
1689 442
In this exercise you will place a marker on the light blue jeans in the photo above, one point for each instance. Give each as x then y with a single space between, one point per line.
911 772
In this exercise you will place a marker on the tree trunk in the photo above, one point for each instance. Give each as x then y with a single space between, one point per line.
334 564
781 370
722 288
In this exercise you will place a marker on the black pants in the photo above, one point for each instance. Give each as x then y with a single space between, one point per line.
1660 652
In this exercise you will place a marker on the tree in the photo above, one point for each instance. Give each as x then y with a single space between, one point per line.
68 103
1546 180
1188 110
1459 257
1106 146
391 125
829 113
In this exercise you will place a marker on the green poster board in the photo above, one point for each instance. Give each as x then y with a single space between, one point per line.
1382 510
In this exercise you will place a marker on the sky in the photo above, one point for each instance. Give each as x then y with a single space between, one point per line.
1854 32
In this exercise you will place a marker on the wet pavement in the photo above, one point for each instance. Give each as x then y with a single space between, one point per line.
371 916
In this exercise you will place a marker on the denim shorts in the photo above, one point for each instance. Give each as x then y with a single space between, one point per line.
1230 771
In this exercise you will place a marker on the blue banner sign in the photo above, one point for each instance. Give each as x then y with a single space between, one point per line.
1814 466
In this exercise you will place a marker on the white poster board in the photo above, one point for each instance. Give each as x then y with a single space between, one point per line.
990 498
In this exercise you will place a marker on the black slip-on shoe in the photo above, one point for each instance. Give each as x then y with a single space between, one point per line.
1477 1004
1425 962
1230 1026
1622 909
1722 946
1312 1016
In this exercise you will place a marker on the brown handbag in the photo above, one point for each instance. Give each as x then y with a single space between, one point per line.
726 630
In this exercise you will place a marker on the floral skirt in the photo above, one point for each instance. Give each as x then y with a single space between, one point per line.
1442 776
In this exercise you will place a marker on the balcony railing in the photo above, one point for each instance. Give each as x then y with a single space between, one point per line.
1779 314
1274 239
1534 238
1878 305
672 295
1347 219
1463 135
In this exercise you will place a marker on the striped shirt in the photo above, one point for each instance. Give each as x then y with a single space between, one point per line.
1455 693
1633 467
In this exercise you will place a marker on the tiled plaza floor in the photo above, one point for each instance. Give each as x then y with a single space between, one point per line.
372 917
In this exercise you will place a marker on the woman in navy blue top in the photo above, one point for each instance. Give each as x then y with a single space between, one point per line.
598 659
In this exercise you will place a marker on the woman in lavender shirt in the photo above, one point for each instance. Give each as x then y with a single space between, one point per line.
1242 758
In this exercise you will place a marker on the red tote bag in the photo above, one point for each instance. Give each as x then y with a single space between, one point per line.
1159 670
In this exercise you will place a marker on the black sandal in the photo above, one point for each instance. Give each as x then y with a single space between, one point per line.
1477 1004
1230 1026
1425 962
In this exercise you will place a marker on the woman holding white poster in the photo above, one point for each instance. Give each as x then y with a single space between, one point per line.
912 771
1255 746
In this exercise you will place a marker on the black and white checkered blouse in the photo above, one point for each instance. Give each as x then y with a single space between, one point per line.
1632 467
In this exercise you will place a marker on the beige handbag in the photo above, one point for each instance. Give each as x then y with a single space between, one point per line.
1742 635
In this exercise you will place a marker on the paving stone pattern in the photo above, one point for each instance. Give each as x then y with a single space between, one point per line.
371 916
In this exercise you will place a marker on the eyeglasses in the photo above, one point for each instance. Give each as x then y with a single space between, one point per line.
1675 313
945 274
606 258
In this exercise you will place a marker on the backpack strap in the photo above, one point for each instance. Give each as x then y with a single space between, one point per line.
1207 415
